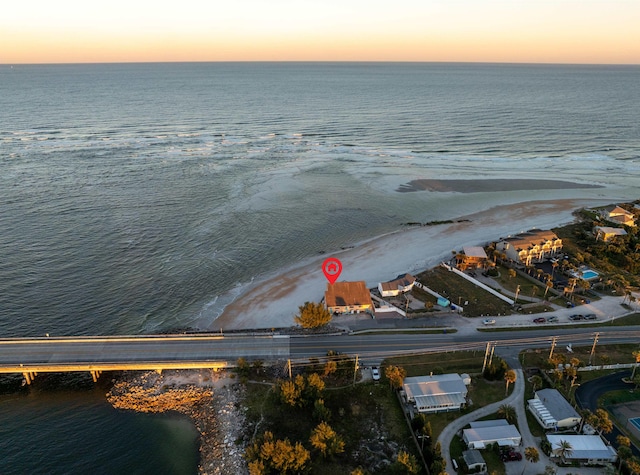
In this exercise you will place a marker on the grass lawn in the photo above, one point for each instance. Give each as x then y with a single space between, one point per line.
618 397
442 363
458 289
604 354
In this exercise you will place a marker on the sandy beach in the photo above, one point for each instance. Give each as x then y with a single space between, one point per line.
273 301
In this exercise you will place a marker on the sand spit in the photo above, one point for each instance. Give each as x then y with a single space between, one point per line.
210 399
493 186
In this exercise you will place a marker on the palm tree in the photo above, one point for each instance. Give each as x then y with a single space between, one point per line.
532 455
636 355
564 449
510 377
507 412
548 284
536 382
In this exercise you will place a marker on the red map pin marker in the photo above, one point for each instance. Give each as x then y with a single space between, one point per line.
332 268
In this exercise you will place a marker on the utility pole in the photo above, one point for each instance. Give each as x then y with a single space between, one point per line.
355 370
553 345
486 354
493 348
289 367
593 348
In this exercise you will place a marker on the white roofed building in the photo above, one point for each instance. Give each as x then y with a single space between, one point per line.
586 449
481 434
552 411
436 393
401 284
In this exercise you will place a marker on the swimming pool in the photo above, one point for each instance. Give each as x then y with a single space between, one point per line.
589 274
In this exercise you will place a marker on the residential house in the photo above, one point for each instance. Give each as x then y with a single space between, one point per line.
585 449
616 214
348 297
400 285
474 461
532 246
481 434
472 257
436 393
552 411
607 233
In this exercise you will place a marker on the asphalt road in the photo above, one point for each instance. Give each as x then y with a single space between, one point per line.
375 347
587 398
19 355
371 348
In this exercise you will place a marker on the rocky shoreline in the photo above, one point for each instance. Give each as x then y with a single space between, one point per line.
212 401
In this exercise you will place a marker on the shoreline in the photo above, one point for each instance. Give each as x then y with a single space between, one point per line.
210 401
272 302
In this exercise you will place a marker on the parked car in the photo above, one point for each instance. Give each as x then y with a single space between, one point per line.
552 319
488 321
591 316
539 320
375 373
576 317
510 456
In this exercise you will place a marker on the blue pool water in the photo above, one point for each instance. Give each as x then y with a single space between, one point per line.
589 274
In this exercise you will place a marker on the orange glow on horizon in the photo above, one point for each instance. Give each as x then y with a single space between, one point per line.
563 31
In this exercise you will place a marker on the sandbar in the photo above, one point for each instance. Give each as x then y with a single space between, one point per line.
493 185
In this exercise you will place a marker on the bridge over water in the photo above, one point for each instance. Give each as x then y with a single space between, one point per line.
153 352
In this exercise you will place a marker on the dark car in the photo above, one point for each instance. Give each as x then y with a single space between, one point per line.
591 316
576 317
539 320
510 456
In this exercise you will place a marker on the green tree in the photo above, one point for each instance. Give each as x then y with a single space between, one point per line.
508 412
268 455
510 377
395 375
326 441
636 356
320 411
407 462
624 453
536 382
564 449
604 424
312 315
532 455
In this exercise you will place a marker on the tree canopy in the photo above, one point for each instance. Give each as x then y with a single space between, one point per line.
312 315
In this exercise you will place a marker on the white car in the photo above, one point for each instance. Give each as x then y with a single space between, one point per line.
488 321
375 373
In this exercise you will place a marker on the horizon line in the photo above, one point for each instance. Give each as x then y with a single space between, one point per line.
281 61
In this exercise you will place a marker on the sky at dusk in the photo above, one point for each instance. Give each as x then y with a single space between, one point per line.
533 31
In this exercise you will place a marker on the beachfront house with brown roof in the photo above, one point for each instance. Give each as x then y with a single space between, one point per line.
348 297
472 257
400 285
617 214
532 246
606 233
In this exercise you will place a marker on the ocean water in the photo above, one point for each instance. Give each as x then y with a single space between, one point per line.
140 198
